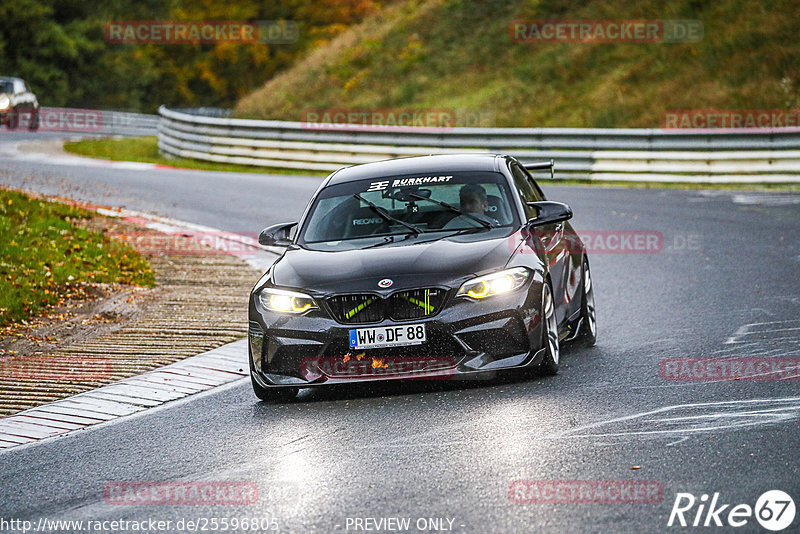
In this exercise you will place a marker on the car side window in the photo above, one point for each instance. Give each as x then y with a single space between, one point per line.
527 191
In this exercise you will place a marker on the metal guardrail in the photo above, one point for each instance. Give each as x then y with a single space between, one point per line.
97 121
128 124
764 155
89 121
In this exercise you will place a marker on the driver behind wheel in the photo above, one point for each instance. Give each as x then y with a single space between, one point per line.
473 201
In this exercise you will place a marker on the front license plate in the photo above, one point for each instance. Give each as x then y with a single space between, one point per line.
387 336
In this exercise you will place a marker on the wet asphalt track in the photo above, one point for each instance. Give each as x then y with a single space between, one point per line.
726 284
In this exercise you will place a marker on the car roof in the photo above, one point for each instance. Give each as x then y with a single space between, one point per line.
417 165
10 79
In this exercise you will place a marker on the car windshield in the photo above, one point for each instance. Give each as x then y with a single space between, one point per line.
378 209
6 87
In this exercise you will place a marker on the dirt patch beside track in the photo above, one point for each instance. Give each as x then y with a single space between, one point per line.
199 303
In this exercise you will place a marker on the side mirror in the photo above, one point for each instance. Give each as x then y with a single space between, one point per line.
276 235
549 213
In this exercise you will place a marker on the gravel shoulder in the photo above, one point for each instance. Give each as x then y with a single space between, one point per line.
199 303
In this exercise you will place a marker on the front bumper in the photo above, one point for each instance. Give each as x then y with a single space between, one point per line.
465 339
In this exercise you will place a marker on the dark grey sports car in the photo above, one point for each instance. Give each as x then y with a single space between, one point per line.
427 267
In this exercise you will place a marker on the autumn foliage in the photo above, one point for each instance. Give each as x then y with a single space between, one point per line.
58 46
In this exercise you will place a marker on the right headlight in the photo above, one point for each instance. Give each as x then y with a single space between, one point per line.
494 284
284 301
5 102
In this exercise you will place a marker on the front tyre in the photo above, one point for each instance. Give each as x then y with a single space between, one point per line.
588 334
549 365
33 125
13 120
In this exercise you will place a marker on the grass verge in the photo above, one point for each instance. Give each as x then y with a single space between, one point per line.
145 150
467 57
45 257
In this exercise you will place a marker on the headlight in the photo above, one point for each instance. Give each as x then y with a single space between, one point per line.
283 301
494 284
5 102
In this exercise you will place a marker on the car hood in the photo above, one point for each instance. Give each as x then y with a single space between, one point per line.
444 262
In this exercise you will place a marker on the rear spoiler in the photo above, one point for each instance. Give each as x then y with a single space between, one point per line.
540 165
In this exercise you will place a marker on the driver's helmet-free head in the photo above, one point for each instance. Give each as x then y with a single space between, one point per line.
472 197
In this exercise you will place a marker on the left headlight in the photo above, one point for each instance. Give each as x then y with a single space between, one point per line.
494 284
283 301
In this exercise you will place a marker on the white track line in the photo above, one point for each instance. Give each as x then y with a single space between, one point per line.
126 397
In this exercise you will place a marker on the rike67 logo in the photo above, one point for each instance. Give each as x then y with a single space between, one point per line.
774 510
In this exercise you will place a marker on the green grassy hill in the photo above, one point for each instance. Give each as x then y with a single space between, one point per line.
458 54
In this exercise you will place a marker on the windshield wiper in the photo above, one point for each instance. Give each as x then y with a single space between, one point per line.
454 233
463 231
485 224
386 215
391 239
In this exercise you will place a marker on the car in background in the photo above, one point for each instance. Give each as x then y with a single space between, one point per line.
18 105
451 266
